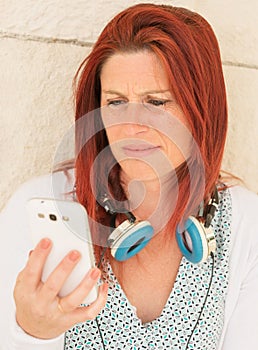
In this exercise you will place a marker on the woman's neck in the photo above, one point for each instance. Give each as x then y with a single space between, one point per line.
153 200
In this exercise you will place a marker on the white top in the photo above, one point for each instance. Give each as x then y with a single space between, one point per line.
240 327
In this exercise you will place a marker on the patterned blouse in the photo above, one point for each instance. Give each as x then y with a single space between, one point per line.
192 317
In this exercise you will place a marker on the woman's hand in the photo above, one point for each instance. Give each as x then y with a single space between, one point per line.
39 310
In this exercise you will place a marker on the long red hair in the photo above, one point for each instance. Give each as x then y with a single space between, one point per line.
186 45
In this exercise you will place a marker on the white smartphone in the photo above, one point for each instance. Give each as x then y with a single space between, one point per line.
66 224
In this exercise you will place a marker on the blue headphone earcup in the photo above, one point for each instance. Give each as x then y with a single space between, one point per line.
193 241
129 239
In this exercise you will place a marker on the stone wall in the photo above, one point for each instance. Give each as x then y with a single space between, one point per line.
41 46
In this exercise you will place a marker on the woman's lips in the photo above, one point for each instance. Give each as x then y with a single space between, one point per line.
140 150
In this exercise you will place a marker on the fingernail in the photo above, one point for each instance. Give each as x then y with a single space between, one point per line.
45 243
94 274
74 255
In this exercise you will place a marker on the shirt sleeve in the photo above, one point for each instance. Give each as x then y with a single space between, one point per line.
14 249
19 340
241 308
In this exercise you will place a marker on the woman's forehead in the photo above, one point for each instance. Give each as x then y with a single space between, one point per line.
140 70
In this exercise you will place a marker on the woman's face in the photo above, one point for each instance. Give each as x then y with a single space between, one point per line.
137 111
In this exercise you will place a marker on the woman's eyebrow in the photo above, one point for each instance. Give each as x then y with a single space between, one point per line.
113 92
149 92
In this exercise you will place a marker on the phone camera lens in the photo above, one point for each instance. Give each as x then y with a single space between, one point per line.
52 217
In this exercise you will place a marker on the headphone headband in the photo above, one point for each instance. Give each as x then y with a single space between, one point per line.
211 208
196 242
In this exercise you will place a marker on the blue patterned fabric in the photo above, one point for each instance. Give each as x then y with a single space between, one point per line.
122 329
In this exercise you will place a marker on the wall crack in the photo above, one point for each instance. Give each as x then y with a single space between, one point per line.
240 64
48 40
76 42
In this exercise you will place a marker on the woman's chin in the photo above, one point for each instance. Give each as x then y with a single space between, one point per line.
135 170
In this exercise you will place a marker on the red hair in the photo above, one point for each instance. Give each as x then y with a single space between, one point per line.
186 45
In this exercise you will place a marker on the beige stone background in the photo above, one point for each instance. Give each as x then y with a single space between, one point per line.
41 46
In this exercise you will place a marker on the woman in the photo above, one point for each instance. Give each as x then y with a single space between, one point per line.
151 122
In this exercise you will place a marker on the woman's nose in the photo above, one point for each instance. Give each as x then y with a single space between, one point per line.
135 119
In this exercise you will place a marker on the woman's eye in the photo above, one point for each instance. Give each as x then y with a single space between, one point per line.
115 103
157 103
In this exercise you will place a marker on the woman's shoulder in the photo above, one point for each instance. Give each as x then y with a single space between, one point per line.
58 185
244 231
244 204
243 195
13 218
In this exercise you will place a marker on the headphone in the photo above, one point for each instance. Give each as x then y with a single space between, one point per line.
130 236
196 241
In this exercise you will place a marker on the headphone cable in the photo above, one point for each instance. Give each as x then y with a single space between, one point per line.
100 333
206 297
